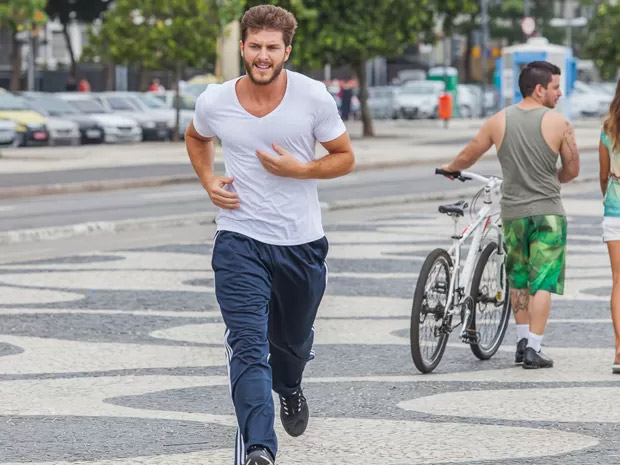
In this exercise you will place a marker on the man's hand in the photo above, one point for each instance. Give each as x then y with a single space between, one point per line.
220 196
447 167
284 164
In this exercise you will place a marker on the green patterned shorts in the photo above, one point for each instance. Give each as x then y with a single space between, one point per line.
536 253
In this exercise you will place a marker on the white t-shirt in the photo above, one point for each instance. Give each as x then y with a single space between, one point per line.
274 210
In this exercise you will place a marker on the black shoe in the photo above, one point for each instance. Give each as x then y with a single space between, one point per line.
259 455
294 413
533 359
521 345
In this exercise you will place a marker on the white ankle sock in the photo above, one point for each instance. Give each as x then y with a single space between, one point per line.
534 341
522 331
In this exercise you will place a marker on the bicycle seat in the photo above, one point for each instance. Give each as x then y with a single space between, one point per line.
457 208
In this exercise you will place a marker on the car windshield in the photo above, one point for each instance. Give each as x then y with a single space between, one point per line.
52 105
88 106
119 103
151 101
10 102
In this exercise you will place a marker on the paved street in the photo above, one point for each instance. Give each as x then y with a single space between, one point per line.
111 353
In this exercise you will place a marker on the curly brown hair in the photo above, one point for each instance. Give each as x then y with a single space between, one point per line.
271 17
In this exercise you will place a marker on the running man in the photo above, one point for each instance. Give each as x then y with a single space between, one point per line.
270 248
528 137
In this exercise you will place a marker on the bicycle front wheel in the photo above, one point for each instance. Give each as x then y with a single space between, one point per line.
428 337
491 295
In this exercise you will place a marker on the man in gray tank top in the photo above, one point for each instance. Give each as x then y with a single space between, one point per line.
528 137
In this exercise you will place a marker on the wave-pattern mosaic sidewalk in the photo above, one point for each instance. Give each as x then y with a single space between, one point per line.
116 358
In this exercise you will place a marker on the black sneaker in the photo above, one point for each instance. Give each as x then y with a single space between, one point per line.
533 359
521 345
294 413
259 455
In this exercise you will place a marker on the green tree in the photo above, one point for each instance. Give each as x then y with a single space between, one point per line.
18 16
85 11
158 35
603 43
342 32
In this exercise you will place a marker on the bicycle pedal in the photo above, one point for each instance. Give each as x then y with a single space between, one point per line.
471 336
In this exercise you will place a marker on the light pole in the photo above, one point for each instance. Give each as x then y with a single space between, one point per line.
483 54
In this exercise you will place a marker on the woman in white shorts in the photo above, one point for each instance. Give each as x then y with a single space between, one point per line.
609 157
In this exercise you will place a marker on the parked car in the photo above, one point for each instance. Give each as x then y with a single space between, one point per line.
152 105
168 97
470 100
582 105
603 99
30 125
61 131
153 127
418 99
50 106
116 128
381 101
8 134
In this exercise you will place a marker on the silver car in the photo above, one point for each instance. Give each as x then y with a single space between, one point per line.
61 131
153 127
116 128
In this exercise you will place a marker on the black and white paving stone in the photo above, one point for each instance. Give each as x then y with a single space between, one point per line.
116 358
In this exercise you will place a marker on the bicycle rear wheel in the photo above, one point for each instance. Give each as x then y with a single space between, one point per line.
428 341
491 295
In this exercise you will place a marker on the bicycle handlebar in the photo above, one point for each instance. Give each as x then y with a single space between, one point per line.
464 175
452 174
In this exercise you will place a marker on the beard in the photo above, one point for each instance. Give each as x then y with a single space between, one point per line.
277 69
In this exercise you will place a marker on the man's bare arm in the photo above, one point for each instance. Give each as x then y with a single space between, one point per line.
201 152
569 154
478 146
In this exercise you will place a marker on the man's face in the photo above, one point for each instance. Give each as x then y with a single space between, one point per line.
264 54
552 93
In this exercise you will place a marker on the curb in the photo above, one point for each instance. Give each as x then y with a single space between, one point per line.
95 227
84 229
93 186
157 181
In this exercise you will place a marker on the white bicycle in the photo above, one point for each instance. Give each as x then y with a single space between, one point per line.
473 295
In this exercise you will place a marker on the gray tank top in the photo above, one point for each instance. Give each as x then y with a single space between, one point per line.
531 186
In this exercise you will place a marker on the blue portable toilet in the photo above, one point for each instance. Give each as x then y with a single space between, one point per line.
515 57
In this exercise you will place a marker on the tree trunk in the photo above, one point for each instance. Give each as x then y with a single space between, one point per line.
467 75
109 76
360 71
65 32
16 62
177 103
143 78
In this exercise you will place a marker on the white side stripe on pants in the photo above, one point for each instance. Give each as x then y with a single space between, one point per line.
239 444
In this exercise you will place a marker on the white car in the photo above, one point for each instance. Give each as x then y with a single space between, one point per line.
150 104
61 131
116 128
153 127
8 136
381 101
602 99
418 99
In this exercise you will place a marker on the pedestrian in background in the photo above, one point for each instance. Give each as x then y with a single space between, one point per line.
528 137
609 160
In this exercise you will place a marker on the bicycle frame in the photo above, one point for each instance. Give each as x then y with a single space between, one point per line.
458 294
